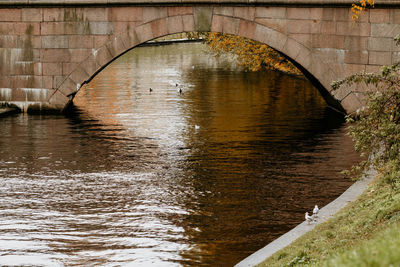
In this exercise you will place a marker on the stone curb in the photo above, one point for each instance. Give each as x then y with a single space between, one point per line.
325 214
7 111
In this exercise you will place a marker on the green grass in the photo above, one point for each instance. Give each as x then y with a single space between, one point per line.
365 233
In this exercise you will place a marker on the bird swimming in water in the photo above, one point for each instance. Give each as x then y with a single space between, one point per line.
150 90
309 218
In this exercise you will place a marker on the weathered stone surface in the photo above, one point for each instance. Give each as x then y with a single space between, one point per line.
271 12
55 41
202 18
61 47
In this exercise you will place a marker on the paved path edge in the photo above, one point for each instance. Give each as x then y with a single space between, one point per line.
325 214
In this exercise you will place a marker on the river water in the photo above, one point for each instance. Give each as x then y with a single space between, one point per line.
140 178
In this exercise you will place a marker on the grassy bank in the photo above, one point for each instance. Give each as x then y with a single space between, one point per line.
365 233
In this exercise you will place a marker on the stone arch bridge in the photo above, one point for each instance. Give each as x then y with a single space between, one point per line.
49 49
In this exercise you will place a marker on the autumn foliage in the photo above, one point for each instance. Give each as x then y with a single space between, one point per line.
358 8
250 54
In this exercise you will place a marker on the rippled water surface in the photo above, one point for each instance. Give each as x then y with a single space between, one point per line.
140 178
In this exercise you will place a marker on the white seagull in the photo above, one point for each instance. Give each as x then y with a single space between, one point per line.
315 211
309 218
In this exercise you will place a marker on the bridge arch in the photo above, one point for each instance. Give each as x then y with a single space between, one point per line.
186 21
48 50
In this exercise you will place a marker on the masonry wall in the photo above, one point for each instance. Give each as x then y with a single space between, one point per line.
47 53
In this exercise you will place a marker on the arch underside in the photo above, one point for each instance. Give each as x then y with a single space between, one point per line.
303 56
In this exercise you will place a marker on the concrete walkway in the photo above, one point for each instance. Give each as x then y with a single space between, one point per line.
325 214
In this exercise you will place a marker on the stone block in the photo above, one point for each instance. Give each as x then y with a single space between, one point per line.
154 13
373 69
55 41
343 14
79 76
175 24
48 82
302 38
231 25
328 14
103 56
58 100
353 29
380 44
26 81
247 29
124 26
379 15
395 16
291 48
350 69
328 27
32 14
351 103
223 10
299 26
316 13
279 25
6 28
80 41
188 23
90 66
101 28
55 55
100 40
159 27
57 81
217 23
298 13
144 32
305 60
68 87
116 47
271 12
270 37
179 10
380 58
356 57
52 68
10 14
384 30
26 28
68 67
96 14
355 43
129 39
53 14
79 54
202 18
37 68
5 82
247 13
127 14
66 28
22 68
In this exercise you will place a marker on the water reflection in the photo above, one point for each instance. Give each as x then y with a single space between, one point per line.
129 180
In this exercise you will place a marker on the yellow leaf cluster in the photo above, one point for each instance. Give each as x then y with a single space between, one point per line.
358 8
250 54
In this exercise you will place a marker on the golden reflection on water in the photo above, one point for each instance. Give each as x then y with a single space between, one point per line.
160 178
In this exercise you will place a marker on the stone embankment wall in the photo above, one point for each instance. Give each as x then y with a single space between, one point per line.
49 49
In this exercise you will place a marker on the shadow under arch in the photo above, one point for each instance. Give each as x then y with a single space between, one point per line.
299 53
